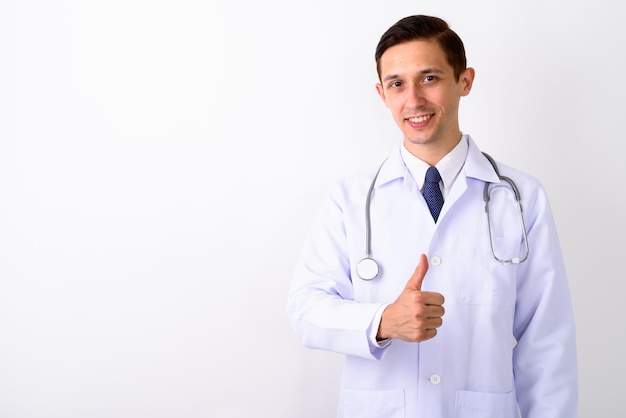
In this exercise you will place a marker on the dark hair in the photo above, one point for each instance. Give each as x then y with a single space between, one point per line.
422 27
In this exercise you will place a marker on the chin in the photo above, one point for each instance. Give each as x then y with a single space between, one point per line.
421 140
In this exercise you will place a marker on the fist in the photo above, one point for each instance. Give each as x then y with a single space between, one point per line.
415 315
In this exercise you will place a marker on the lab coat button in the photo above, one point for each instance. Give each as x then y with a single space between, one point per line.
435 261
435 379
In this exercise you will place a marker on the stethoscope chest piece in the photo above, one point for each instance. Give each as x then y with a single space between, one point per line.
367 268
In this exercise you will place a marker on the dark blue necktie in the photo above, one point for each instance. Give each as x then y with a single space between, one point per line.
432 192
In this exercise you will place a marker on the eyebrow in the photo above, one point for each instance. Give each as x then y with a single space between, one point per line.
432 70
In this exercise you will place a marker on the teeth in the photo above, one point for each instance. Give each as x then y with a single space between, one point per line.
419 119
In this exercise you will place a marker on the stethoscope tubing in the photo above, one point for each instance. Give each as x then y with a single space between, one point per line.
368 268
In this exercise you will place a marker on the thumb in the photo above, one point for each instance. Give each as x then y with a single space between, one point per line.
415 282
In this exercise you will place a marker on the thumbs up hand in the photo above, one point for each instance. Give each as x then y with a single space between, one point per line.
415 315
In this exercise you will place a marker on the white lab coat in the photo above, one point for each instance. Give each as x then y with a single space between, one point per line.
507 341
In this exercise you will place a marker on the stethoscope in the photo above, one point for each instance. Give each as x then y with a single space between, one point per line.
368 268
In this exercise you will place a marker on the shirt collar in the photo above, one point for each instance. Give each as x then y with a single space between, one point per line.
449 166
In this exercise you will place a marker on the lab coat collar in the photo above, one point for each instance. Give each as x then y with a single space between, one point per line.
392 168
476 166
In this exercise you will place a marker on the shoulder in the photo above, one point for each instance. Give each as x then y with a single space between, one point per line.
525 181
356 186
532 192
479 165
530 189
519 176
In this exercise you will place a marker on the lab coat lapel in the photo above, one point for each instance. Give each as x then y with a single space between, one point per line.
476 166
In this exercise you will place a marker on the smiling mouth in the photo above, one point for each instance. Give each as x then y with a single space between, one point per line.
420 119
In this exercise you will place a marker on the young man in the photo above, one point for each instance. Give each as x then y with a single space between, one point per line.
504 344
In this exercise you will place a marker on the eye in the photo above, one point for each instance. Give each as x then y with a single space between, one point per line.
430 78
395 84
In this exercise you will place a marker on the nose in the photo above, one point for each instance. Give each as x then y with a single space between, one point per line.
415 97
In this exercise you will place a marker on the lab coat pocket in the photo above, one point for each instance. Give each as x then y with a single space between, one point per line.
482 280
485 405
372 404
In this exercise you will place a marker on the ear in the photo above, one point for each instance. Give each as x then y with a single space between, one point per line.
381 93
466 80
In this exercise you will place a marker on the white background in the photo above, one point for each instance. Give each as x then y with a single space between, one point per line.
161 161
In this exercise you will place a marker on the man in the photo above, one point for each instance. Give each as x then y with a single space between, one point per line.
504 346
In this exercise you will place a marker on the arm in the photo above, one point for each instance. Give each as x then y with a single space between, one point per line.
320 304
544 361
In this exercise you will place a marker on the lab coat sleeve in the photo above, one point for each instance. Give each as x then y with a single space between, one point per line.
544 361
321 304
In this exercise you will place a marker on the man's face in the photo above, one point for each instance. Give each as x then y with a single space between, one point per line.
419 87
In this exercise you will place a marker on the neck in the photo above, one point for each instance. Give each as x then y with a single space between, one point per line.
432 152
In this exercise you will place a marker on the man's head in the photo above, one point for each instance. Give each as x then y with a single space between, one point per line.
429 28
422 76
